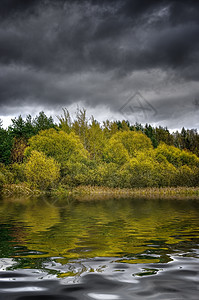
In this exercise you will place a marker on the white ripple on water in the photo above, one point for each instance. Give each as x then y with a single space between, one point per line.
103 296
6 263
24 289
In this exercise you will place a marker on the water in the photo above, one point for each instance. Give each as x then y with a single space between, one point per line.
113 249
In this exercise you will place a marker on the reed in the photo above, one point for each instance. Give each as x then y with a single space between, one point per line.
19 189
100 192
96 192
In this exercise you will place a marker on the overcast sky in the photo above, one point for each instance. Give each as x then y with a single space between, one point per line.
120 59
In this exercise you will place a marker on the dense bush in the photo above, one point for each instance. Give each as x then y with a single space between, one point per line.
133 141
7 174
57 144
18 172
185 176
41 171
83 152
2 180
76 173
176 156
115 152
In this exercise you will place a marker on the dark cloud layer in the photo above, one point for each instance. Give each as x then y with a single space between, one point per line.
98 52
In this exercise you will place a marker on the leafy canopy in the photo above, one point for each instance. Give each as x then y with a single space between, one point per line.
133 141
42 171
58 144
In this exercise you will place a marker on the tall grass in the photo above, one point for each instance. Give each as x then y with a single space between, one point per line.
19 189
96 192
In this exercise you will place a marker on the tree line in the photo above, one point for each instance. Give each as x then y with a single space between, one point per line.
84 152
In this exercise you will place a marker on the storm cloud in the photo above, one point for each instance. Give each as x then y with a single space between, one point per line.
56 54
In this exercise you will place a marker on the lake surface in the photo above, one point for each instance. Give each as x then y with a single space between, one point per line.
115 249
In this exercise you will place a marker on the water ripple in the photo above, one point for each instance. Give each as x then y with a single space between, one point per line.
178 279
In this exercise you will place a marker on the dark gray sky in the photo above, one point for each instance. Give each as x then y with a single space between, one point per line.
98 55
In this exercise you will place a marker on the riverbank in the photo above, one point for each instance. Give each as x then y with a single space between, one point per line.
87 193
82 193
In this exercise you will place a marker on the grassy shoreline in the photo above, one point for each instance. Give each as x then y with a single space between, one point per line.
84 193
97 192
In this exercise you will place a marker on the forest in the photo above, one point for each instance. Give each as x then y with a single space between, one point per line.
46 155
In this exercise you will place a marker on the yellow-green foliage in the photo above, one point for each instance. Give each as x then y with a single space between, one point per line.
108 175
57 144
76 173
123 159
176 156
165 174
18 172
6 174
133 141
41 171
185 176
96 140
141 171
131 161
115 152
2 180
189 159
145 171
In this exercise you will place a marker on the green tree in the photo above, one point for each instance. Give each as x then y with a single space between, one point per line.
41 171
65 121
123 126
18 172
109 128
185 176
79 173
150 132
163 135
6 143
146 171
142 172
17 128
29 127
133 142
176 156
80 126
22 129
6 174
59 145
115 152
96 140
2 180
137 127
108 175
42 122
18 148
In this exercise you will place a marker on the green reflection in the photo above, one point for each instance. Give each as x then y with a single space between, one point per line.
135 231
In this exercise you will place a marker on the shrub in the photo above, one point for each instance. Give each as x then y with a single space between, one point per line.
115 152
108 174
8 176
176 156
76 173
185 177
133 142
18 172
2 180
41 171
57 144
142 173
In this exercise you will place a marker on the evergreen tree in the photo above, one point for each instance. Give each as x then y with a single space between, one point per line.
42 122
6 142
